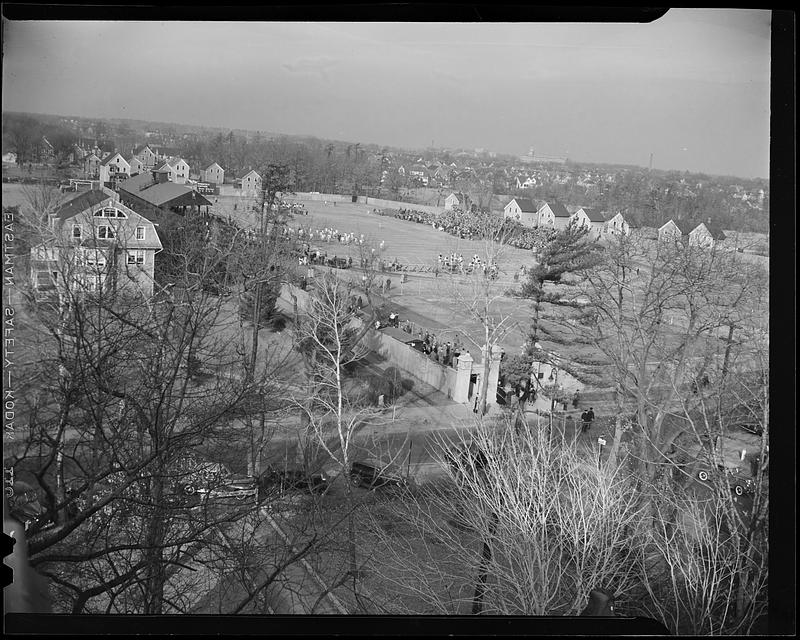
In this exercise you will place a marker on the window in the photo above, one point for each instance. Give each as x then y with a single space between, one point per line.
95 259
140 233
111 212
76 231
136 257
105 232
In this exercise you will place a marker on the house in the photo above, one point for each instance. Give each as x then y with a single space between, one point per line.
213 173
617 225
111 167
706 235
153 194
591 219
554 215
418 172
45 152
98 244
671 231
442 174
522 209
525 183
177 169
147 156
91 166
251 181
136 166
454 200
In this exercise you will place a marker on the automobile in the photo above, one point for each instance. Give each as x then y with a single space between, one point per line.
739 483
293 478
237 487
370 475
196 475
465 459
337 262
25 508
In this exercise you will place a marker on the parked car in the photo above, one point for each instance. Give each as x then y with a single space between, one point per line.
196 475
338 262
371 475
237 487
466 459
284 479
25 508
739 482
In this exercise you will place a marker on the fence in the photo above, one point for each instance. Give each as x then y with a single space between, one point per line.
367 200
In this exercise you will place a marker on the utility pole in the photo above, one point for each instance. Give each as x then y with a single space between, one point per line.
651 162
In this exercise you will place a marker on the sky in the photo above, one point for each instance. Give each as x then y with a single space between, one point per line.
691 88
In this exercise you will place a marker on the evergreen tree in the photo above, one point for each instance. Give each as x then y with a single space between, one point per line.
568 251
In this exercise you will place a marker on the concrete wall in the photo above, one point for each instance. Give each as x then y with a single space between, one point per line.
415 363
454 383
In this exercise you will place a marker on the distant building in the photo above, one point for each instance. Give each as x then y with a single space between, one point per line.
147 156
553 215
251 181
98 244
45 152
91 166
112 167
671 231
523 210
154 194
213 174
617 225
136 166
418 172
10 157
177 169
591 219
522 182
706 235
455 200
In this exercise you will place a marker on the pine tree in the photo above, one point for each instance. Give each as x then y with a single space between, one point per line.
568 251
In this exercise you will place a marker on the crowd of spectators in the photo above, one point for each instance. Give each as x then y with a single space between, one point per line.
476 225
445 353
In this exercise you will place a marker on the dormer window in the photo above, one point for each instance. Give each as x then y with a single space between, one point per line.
109 212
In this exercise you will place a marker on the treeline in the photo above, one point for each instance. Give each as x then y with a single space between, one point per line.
652 199
315 165
23 134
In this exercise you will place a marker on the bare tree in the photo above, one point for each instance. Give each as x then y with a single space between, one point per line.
536 525
332 340
479 299
651 322
113 406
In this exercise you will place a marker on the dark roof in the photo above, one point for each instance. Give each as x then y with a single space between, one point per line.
110 157
715 230
595 215
683 227
558 209
526 205
80 203
212 164
161 194
138 150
